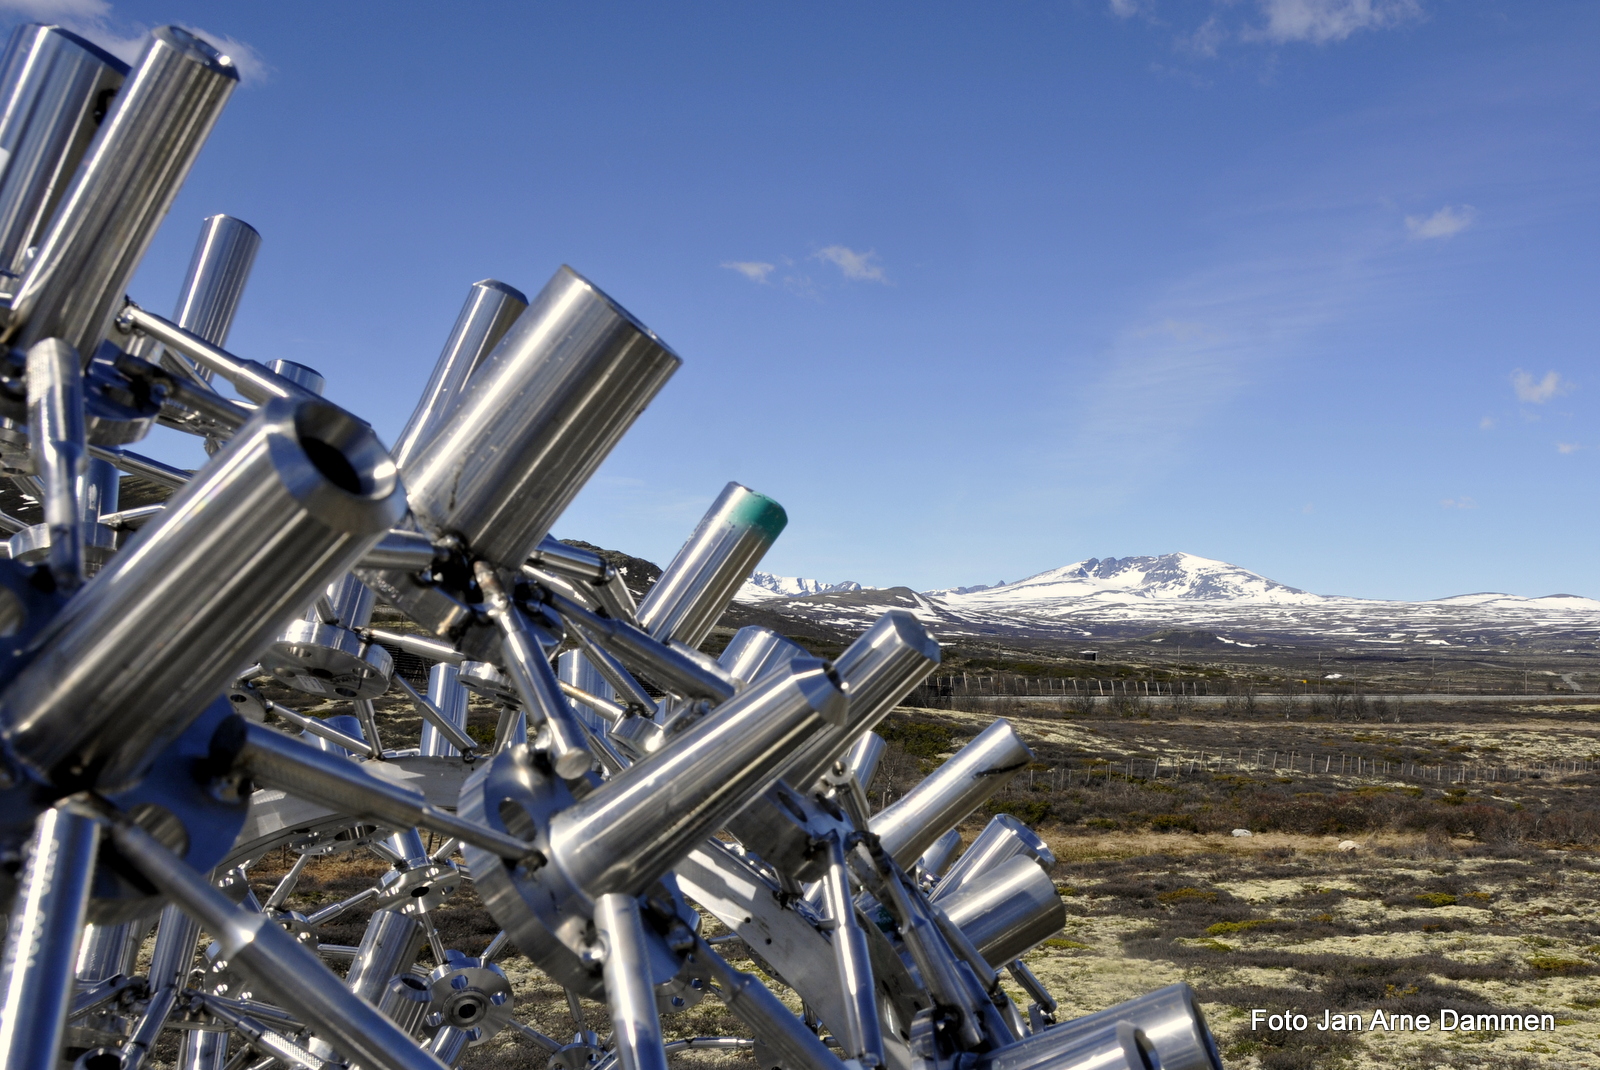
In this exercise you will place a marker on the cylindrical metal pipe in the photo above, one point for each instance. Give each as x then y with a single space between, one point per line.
625 834
536 420
448 695
490 310
702 579
55 90
405 1001
280 967
776 1025
388 947
629 992
133 170
1008 910
935 858
755 651
878 669
293 501
60 451
1113 1044
1002 838
863 757
861 1033
46 922
574 669
214 286
951 792
108 950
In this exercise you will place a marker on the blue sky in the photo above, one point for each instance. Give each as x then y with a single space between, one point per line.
973 290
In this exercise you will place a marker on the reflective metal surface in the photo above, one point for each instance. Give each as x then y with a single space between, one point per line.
214 285
490 310
956 788
697 586
133 170
55 90
1007 910
292 501
536 419
1002 838
46 921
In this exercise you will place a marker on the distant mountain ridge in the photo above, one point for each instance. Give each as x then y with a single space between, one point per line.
1133 596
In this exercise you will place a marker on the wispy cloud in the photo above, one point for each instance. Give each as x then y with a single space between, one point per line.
1486 424
1447 222
1308 508
754 270
1567 447
1127 9
95 20
854 265
1322 21
1457 503
1538 391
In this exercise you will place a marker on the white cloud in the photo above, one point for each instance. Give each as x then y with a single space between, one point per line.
754 270
1538 391
93 19
1567 447
1321 21
1206 39
1308 508
1447 222
1127 9
1486 424
854 265
1458 503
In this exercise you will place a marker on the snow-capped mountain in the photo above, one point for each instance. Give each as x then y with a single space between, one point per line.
764 585
1134 596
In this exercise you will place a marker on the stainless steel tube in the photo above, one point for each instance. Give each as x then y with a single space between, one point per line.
281 968
524 660
46 922
1007 911
1002 838
60 451
935 858
625 834
755 651
1113 1044
273 758
450 698
754 1004
436 725
951 792
388 947
878 669
108 950
55 90
629 992
536 420
490 310
214 286
133 170
863 757
1169 1017
861 1035
292 501
697 586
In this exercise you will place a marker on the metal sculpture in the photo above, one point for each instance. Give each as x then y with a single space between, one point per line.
634 786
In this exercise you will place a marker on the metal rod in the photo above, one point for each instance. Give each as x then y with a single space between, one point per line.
861 1034
609 710
59 445
47 916
163 475
796 1047
629 991
628 689
317 727
284 970
670 666
524 661
252 379
436 717
285 886
273 758
334 910
420 645
369 727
